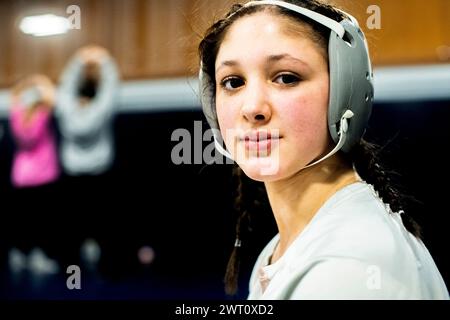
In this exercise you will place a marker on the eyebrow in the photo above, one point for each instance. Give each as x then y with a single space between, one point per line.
227 63
271 59
278 57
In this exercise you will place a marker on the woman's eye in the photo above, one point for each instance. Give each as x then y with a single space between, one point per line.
287 78
232 83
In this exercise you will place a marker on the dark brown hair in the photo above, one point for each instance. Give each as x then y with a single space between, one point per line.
365 156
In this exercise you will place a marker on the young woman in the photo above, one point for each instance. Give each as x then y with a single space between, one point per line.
289 86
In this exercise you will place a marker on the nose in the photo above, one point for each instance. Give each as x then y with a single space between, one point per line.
256 107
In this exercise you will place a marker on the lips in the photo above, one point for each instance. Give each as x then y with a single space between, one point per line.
260 142
259 136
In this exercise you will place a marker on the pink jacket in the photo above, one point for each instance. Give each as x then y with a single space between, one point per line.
35 161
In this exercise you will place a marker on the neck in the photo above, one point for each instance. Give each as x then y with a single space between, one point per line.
295 200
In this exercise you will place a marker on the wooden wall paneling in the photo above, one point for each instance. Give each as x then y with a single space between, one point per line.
157 38
443 50
410 29
117 34
5 42
127 36
200 15
166 27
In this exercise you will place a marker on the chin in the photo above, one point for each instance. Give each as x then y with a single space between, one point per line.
262 169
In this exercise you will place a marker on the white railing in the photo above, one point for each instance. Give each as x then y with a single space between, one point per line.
392 84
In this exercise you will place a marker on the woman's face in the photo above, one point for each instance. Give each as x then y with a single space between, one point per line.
271 96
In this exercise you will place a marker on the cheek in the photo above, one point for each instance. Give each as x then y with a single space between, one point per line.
226 117
305 118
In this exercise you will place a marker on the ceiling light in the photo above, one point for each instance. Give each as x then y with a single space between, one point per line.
44 25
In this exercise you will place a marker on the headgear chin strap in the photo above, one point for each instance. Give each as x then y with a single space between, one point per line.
342 137
351 81
219 147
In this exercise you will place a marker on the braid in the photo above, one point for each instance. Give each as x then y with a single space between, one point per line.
232 272
250 203
366 157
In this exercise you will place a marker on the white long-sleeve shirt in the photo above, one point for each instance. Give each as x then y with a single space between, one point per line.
87 137
353 248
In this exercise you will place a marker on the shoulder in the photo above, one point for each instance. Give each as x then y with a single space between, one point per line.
357 248
16 110
347 278
355 234
354 248
357 224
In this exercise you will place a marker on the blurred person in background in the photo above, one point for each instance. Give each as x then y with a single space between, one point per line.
34 173
35 160
86 106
